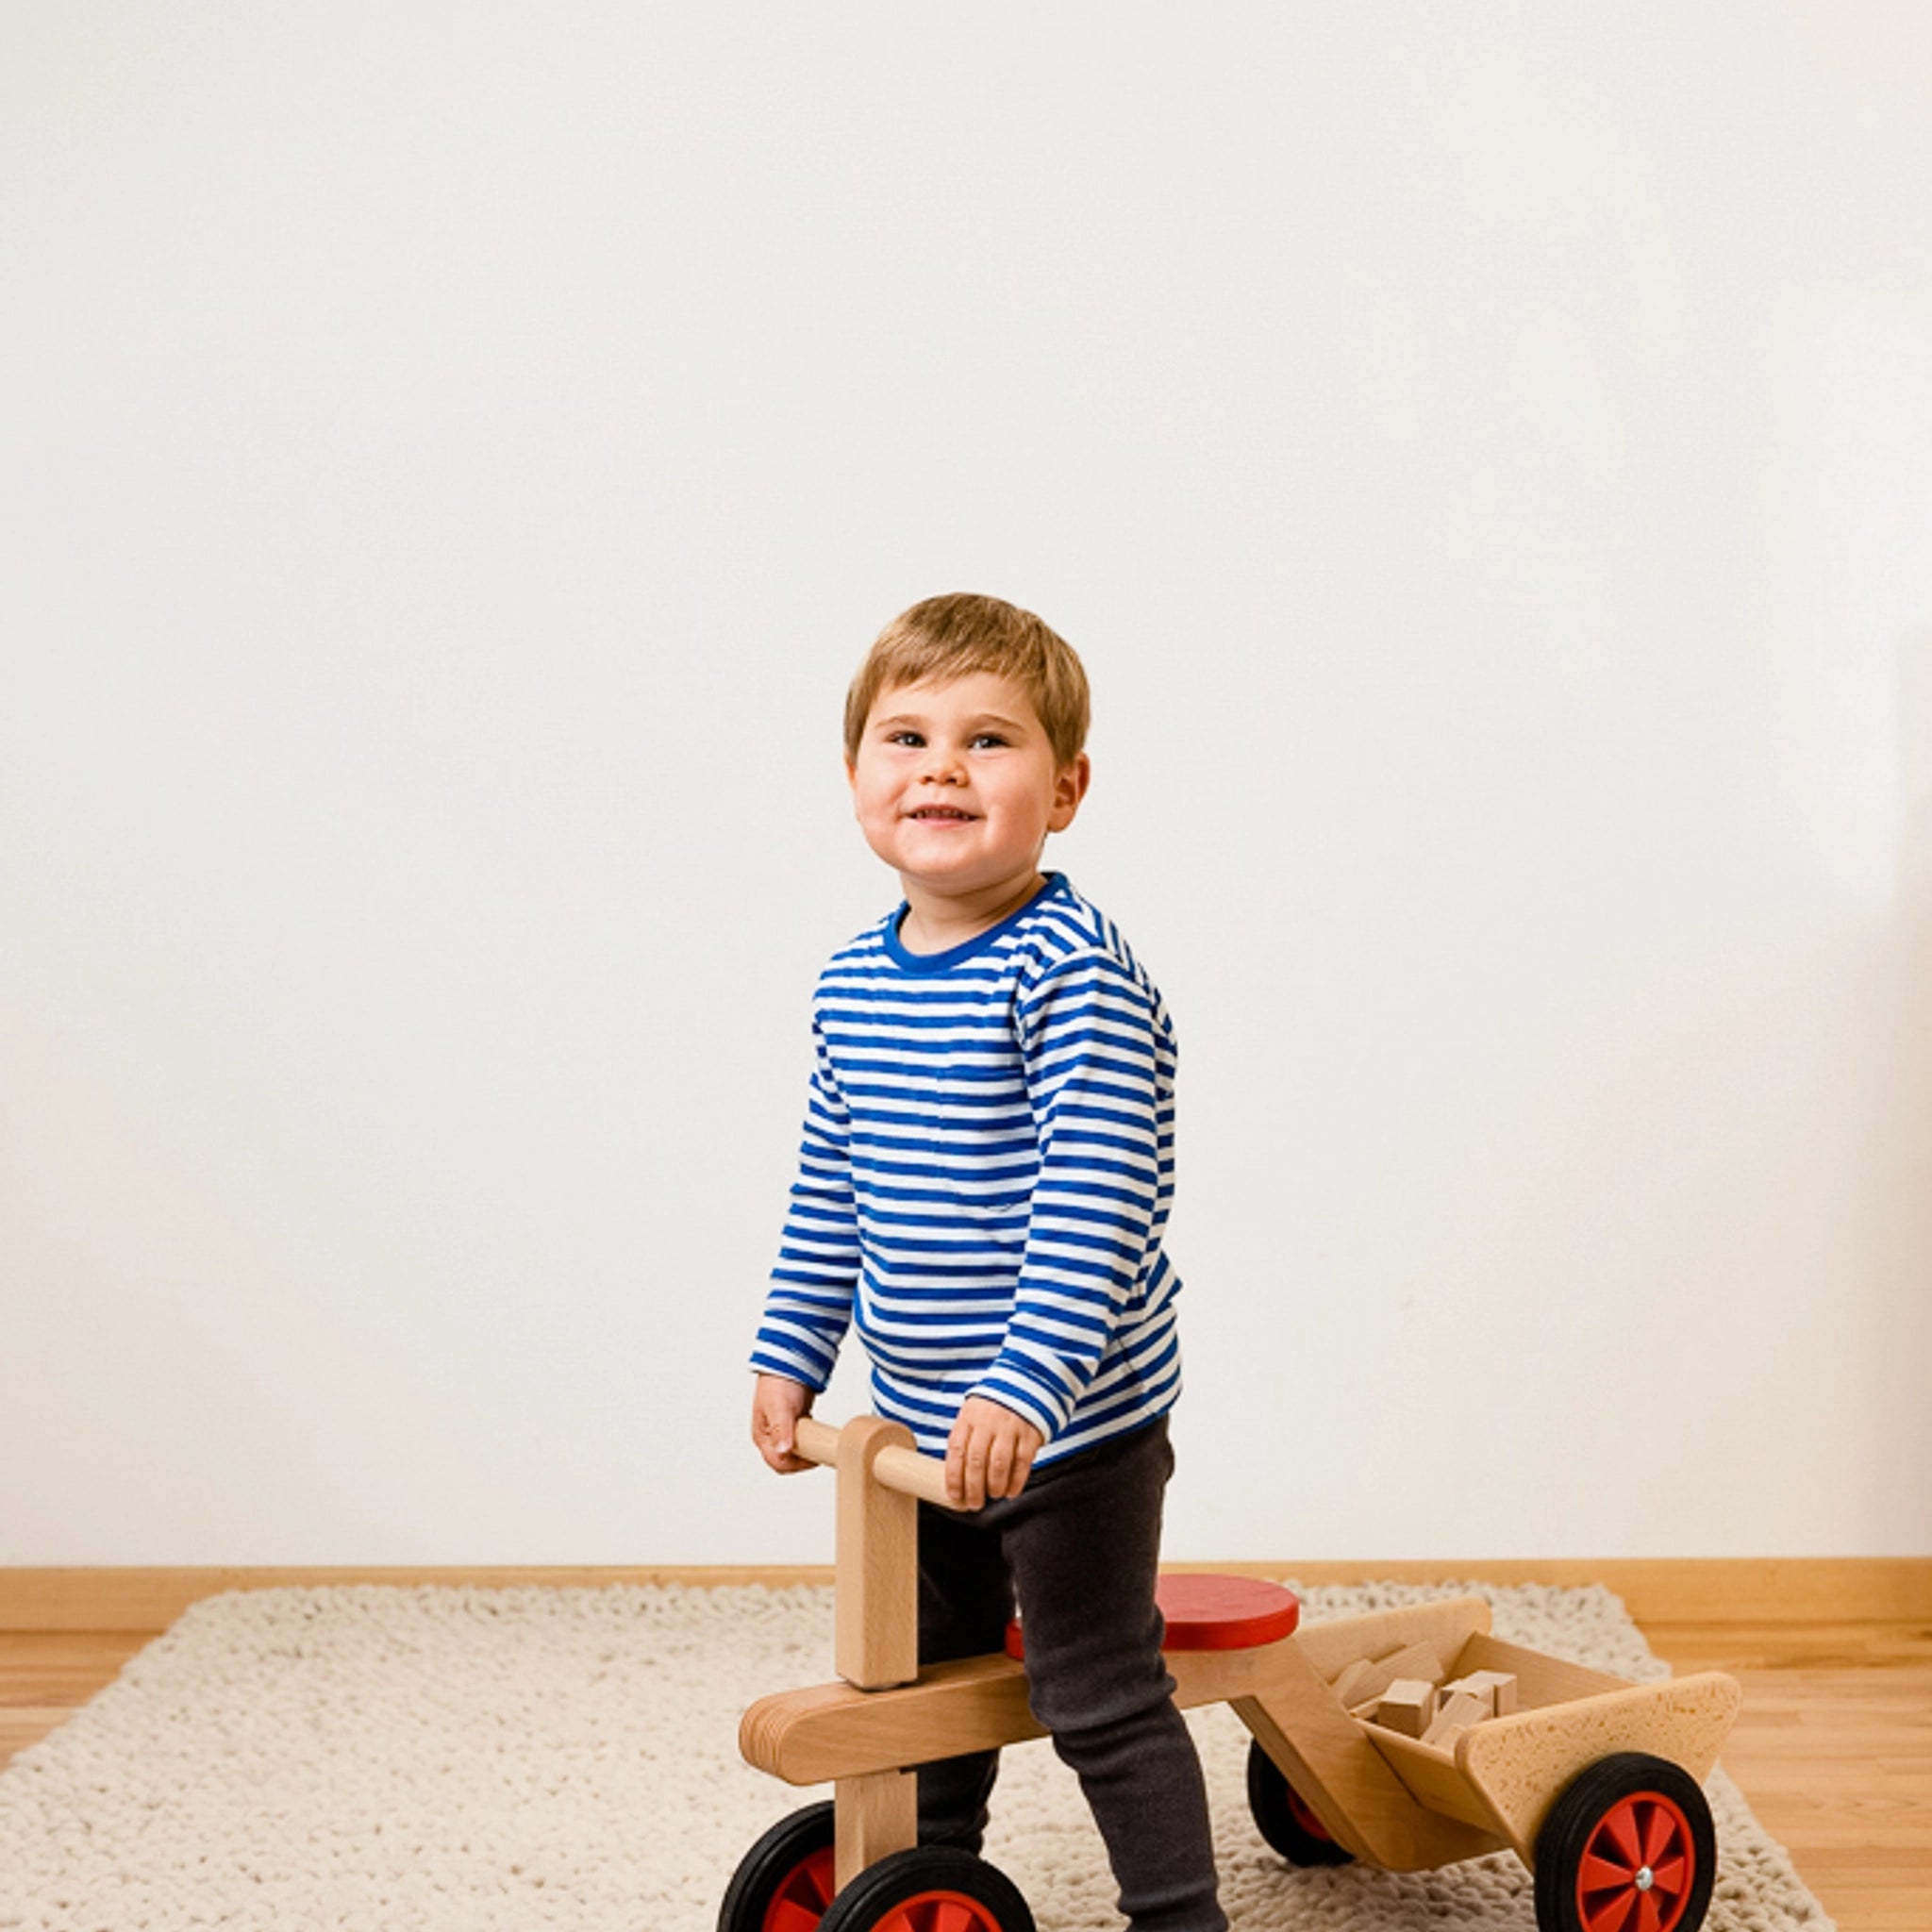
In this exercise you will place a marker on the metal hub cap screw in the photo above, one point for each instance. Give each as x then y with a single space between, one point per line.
1645 1879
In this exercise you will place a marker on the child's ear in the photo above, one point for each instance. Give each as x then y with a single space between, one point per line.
1069 788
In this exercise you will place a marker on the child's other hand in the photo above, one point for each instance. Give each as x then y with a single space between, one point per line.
776 1403
988 1454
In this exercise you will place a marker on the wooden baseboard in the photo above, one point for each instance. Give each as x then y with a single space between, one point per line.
1766 1590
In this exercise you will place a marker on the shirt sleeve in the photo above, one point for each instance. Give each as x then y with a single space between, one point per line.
1089 1037
809 1304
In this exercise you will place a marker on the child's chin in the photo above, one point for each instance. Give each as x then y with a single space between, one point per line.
939 855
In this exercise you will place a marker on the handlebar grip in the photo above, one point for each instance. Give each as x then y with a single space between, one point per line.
905 1470
816 1441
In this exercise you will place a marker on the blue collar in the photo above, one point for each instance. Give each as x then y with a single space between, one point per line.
922 963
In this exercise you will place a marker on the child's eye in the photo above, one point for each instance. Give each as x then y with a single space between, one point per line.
989 738
904 738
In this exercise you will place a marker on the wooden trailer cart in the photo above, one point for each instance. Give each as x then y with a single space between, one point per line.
1594 1781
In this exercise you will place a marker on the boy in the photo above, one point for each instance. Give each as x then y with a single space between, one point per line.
983 1187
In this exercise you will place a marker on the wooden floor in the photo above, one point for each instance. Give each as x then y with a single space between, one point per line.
1834 1748
1834 1751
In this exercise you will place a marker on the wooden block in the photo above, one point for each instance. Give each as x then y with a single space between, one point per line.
1408 1705
1497 1689
1348 1686
1456 1716
1373 1679
1502 1690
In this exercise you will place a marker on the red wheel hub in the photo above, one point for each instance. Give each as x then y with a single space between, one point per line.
1298 1810
800 1900
939 1911
1636 1868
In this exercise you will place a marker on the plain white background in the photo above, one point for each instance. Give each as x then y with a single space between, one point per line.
456 456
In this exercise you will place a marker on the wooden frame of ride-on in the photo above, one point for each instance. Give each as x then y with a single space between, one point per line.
1593 1780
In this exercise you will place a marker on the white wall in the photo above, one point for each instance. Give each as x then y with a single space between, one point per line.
455 458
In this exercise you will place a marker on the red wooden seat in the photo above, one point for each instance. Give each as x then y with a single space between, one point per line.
1212 1612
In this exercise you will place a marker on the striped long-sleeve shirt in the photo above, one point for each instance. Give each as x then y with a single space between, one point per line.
987 1168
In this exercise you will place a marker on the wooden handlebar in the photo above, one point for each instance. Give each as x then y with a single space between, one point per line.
905 1470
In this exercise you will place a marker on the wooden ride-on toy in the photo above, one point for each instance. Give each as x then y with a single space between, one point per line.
1594 1781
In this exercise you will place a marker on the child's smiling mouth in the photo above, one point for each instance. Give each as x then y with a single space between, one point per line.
942 814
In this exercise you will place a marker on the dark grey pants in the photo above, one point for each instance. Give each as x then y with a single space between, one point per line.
1080 1545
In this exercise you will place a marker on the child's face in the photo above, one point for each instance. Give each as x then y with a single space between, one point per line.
955 784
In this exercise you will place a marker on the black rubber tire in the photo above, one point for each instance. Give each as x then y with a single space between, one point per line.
1586 1804
880 1890
764 1870
1269 1799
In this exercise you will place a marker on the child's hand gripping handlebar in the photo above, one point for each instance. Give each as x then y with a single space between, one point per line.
896 1467
989 1455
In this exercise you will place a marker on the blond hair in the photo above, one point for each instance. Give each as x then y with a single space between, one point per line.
952 637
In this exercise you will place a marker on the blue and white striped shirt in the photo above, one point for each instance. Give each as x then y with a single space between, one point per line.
985 1179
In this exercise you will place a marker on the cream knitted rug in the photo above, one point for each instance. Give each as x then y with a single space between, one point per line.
378 1761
